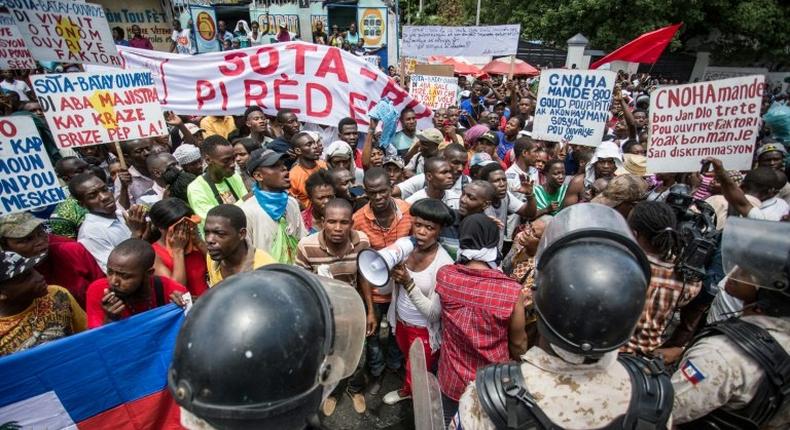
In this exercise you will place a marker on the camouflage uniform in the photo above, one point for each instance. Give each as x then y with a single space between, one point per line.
573 396
715 373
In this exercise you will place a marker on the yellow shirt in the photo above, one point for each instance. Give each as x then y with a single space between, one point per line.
221 125
255 259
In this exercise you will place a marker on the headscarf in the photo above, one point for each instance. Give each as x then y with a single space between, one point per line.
479 237
605 150
243 24
474 133
337 148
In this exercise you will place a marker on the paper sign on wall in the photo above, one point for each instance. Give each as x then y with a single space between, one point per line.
85 109
434 91
573 105
707 119
27 179
13 51
65 31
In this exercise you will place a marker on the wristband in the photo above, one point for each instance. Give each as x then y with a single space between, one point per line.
409 286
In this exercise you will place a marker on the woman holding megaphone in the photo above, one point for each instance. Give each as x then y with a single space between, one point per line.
415 309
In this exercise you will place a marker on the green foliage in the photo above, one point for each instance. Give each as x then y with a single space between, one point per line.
736 31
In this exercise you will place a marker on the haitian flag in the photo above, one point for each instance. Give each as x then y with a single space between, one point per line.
113 377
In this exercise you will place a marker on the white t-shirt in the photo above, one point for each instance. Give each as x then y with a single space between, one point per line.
509 205
451 198
426 282
417 182
513 174
20 87
772 209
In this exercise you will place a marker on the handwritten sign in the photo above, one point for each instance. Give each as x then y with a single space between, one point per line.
65 31
27 179
13 52
434 91
573 105
100 107
320 84
423 41
146 14
707 119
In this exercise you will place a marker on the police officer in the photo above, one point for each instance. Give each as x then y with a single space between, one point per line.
263 348
736 373
591 285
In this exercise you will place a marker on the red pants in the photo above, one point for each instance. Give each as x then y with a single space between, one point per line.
405 335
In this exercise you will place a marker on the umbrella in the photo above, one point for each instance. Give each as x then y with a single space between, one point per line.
501 66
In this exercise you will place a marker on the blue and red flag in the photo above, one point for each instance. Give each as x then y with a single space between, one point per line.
113 377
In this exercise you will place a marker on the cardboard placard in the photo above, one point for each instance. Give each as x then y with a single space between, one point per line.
27 179
85 109
707 119
573 105
13 51
436 92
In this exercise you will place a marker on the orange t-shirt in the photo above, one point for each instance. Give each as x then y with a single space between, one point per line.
299 177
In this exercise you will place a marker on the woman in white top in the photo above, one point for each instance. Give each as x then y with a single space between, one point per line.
415 310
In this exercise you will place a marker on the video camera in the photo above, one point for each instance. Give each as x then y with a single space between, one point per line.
697 228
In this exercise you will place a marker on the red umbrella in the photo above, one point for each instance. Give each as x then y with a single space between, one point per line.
501 66
460 67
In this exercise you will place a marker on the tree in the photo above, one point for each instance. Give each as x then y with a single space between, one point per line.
737 31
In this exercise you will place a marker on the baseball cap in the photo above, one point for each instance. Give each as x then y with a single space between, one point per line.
283 25
432 135
18 225
263 158
393 159
489 136
769 147
14 265
193 128
622 189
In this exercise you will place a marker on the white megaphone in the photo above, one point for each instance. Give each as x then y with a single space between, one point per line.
375 266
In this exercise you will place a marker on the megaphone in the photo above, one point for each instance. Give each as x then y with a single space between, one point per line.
375 266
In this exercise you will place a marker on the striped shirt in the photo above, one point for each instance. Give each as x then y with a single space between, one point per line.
313 255
543 199
666 292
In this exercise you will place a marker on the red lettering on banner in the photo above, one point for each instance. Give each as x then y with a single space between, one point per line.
355 112
327 96
300 50
279 96
256 99
202 97
236 59
394 92
224 91
333 63
271 67
368 74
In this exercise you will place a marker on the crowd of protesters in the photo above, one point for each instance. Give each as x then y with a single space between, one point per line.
222 195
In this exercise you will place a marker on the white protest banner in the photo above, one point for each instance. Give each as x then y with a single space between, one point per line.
13 52
706 119
434 91
99 107
319 83
27 179
65 31
573 105
424 41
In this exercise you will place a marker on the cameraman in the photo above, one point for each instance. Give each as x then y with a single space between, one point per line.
653 223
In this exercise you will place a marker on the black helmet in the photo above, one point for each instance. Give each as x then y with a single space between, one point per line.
591 280
757 253
258 349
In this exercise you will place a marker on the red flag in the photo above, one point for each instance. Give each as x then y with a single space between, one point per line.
644 49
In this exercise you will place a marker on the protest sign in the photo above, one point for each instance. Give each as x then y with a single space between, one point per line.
434 91
373 26
573 105
99 107
321 84
423 41
27 179
146 14
65 31
13 51
707 119
205 21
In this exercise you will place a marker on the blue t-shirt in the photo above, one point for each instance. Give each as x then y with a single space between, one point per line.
467 106
504 146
